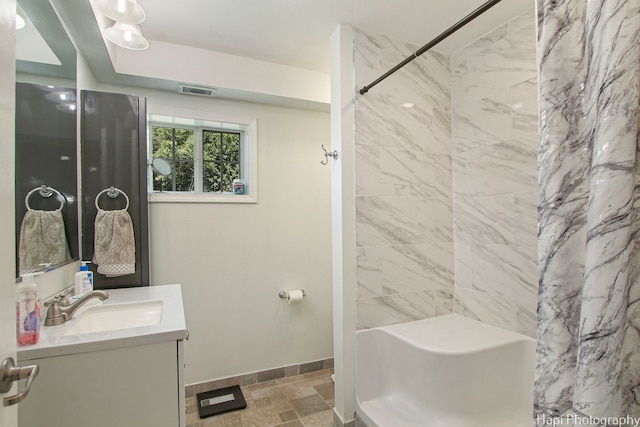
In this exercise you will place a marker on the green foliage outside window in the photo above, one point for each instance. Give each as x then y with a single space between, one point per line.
220 159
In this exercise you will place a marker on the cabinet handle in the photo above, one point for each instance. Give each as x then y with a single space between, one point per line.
10 373
188 335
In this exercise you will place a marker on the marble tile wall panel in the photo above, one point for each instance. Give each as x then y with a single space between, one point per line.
421 170
402 220
398 308
481 117
507 167
406 173
485 219
393 172
388 270
524 110
494 174
526 214
508 61
404 214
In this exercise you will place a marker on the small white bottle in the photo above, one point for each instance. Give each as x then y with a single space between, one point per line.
83 280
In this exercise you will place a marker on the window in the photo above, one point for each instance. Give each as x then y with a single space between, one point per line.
176 146
221 160
206 159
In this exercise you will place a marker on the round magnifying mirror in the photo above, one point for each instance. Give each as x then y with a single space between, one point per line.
161 166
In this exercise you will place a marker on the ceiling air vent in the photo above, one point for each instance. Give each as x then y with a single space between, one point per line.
196 90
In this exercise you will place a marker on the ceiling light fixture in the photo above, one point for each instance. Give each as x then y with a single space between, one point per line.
128 11
19 22
127 14
127 36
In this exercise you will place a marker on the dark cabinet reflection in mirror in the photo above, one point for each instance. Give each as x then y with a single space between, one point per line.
46 154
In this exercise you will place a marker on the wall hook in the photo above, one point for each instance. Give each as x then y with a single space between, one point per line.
328 154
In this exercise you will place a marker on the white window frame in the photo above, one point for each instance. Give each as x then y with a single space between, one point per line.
248 161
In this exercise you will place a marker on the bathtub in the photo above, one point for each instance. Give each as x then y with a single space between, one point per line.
447 371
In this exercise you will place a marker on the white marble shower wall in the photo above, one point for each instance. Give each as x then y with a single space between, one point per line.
404 218
495 138
450 184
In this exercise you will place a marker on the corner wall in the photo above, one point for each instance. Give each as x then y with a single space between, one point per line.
343 239
391 192
495 189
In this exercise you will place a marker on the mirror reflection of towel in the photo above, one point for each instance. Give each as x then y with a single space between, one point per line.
42 240
114 243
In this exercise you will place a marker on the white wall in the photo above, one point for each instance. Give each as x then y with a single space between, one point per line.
233 259
343 220
8 416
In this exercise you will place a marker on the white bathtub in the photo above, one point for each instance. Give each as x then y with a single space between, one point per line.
448 371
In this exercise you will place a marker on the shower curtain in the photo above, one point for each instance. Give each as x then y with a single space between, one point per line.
589 202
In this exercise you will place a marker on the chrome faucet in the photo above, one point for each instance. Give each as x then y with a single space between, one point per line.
57 314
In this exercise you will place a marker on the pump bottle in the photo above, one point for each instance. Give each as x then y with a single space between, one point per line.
27 310
83 280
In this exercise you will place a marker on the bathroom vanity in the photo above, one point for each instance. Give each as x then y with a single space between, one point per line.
117 362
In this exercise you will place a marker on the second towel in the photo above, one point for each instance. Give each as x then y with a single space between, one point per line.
42 240
114 243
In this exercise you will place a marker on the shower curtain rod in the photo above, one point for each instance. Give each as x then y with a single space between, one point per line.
464 21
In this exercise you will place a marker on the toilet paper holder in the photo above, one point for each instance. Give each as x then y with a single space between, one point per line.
285 294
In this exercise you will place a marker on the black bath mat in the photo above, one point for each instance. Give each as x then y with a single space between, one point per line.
216 402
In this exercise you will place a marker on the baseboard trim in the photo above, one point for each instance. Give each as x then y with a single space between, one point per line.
259 377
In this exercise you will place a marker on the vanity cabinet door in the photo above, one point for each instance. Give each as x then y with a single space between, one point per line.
133 386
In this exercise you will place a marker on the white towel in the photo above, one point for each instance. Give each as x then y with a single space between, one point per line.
42 240
114 243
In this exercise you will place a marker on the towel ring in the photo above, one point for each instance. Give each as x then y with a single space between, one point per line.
113 192
45 192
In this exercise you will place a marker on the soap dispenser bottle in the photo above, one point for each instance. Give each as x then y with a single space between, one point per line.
83 280
27 310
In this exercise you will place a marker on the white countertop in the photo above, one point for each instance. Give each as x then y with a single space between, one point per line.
172 326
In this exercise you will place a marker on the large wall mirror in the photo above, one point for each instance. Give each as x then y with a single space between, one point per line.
46 202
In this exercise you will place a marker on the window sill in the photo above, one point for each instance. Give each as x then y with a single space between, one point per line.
167 197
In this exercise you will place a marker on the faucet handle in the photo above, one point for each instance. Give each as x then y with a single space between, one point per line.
53 300
62 298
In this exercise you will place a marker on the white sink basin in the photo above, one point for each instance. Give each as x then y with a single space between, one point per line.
110 317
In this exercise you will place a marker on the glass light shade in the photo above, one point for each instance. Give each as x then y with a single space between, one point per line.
127 36
128 11
19 22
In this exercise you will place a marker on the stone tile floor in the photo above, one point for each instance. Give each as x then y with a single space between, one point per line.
305 400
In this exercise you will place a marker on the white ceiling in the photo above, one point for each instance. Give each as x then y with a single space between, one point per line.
296 32
31 46
267 51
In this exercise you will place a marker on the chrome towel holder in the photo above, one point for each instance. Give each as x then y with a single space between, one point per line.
45 192
113 193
